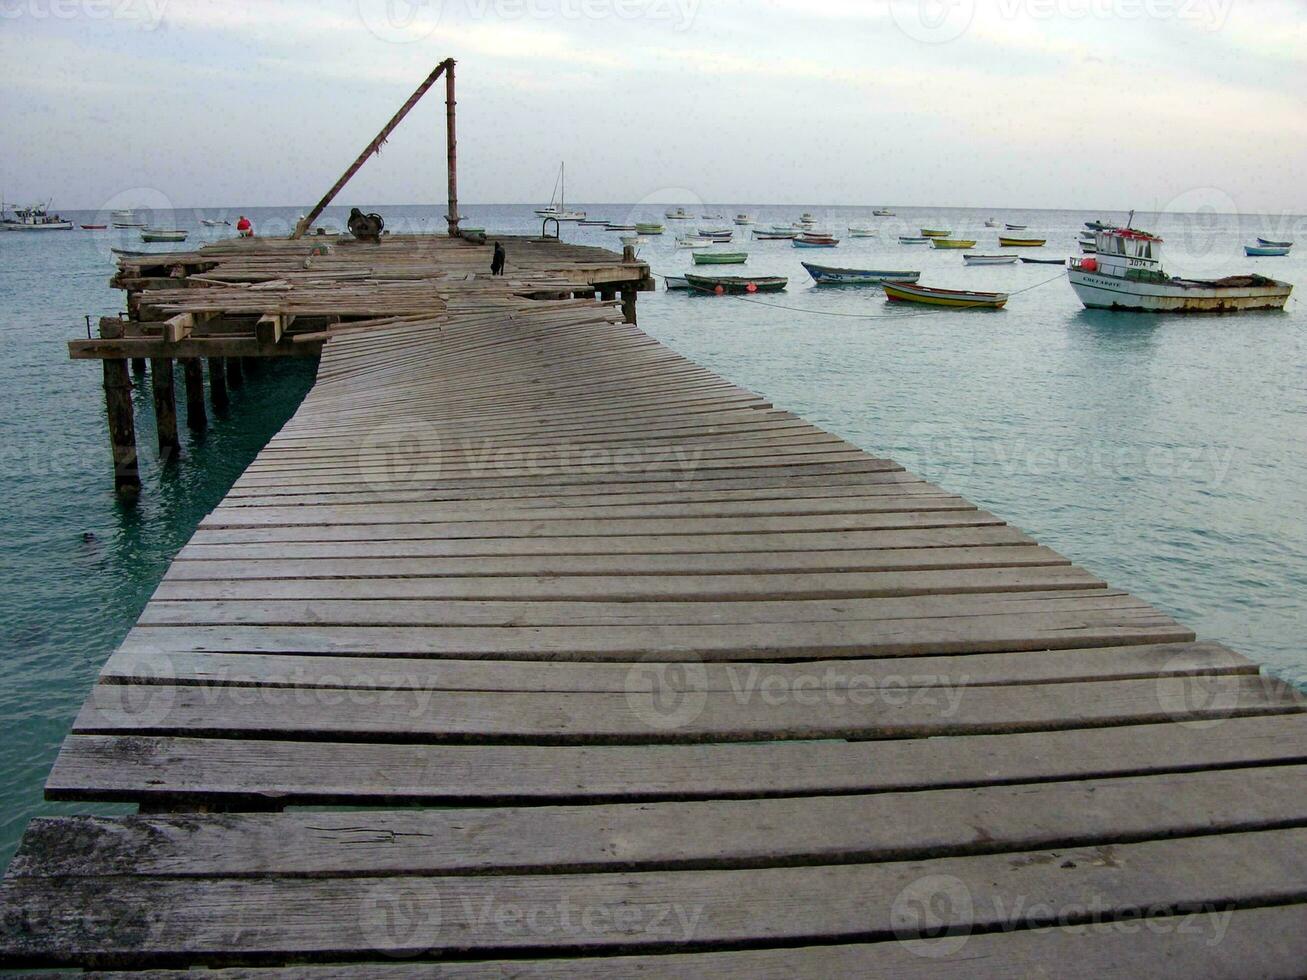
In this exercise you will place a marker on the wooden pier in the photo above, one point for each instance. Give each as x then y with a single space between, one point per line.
529 647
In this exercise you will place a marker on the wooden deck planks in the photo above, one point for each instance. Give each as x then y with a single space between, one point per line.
646 642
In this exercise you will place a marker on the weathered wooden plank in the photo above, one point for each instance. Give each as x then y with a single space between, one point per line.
919 826
1198 660
905 562
141 768
1201 945
581 614
641 714
670 588
145 920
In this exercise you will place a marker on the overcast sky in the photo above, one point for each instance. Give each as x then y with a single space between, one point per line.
1094 104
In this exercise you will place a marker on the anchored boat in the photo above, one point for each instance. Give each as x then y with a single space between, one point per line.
1266 250
989 259
34 218
953 242
736 284
676 282
679 214
825 275
648 228
1271 244
1016 227
815 241
1009 242
912 240
935 233
883 213
907 292
720 258
557 208
1127 275
163 235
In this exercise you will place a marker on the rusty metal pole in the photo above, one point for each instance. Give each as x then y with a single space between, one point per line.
451 142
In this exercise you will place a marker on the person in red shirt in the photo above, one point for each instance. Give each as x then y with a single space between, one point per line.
244 228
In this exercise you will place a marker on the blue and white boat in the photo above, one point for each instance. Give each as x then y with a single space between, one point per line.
825 275
1266 250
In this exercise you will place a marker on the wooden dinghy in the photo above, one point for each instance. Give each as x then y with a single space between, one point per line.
720 258
907 292
1009 242
736 284
953 242
825 275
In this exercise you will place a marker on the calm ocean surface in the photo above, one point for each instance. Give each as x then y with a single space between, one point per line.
1165 454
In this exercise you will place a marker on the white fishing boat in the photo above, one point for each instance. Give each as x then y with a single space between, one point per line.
1126 274
677 214
35 217
743 219
862 231
693 241
557 208
993 223
990 259
883 213
213 222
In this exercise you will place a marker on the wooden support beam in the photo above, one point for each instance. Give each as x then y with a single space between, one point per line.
165 407
209 347
122 427
218 384
628 303
138 365
196 415
272 326
307 221
178 327
451 149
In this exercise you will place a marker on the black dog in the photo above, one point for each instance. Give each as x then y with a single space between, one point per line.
497 263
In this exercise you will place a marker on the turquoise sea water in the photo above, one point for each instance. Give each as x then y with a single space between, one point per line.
1165 454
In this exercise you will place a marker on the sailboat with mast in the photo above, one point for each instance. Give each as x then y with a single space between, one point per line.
557 208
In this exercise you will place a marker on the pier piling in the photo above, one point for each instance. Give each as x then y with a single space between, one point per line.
218 384
165 407
235 372
122 426
193 372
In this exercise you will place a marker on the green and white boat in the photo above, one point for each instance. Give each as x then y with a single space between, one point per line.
720 258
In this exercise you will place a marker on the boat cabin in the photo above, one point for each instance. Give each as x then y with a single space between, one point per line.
1123 250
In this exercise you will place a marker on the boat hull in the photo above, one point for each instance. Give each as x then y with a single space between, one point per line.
46 226
737 284
828 276
904 292
1265 250
989 259
720 258
952 243
676 282
1099 292
1007 242
800 243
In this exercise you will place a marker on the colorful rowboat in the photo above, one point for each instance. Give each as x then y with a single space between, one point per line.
720 258
912 240
989 259
953 243
737 284
1266 250
1261 241
1007 242
906 292
825 275
934 233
